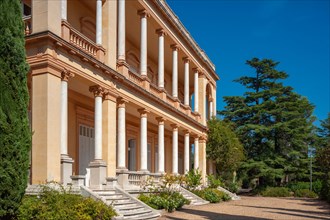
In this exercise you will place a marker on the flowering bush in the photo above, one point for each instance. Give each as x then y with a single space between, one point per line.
164 195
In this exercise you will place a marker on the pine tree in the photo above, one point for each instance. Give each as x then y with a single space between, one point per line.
274 124
323 157
15 137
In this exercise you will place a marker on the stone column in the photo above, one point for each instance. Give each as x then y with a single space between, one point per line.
121 30
186 151
66 161
215 103
202 157
161 145
143 140
143 44
196 153
161 34
186 81
196 89
175 49
64 9
99 22
211 107
121 103
175 155
98 166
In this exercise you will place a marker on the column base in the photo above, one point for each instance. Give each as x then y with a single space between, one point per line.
66 169
111 182
145 83
122 67
78 180
122 180
98 173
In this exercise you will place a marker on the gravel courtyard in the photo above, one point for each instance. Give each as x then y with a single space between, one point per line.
256 208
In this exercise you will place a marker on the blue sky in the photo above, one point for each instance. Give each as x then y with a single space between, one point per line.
293 32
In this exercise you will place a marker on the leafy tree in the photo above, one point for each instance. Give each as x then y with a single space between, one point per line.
223 147
323 157
15 137
273 123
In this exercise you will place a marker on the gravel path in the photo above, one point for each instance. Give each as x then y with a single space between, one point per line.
256 208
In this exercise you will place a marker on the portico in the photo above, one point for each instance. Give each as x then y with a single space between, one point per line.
124 106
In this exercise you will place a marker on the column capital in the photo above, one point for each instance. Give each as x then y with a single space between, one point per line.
203 139
175 47
97 90
196 136
201 74
211 99
186 132
143 112
160 120
175 126
66 74
121 102
186 59
110 95
143 13
161 32
196 70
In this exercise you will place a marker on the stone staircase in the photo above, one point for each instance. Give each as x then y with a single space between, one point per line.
194 199
233 196
126 206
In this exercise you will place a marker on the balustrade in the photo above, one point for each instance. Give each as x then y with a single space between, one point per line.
82 42
27 24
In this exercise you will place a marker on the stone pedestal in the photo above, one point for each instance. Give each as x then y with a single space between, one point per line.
122 178
122 67
66 169
111 182
78 180
98 173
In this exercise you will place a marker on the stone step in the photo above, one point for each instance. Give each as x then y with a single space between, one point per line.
132 206
126 211
135 213
147 216
123 203
107 193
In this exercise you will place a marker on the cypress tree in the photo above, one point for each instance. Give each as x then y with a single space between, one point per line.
15 136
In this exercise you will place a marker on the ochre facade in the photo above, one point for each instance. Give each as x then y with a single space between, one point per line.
118 89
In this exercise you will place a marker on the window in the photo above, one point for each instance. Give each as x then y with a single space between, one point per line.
132 154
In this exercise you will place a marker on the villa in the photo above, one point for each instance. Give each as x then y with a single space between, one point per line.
119 90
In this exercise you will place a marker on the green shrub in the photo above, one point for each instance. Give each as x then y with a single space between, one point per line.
193 178
317 186
164 200
276 192
213 182
298 185
233 187
53 204
211 195
305 193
